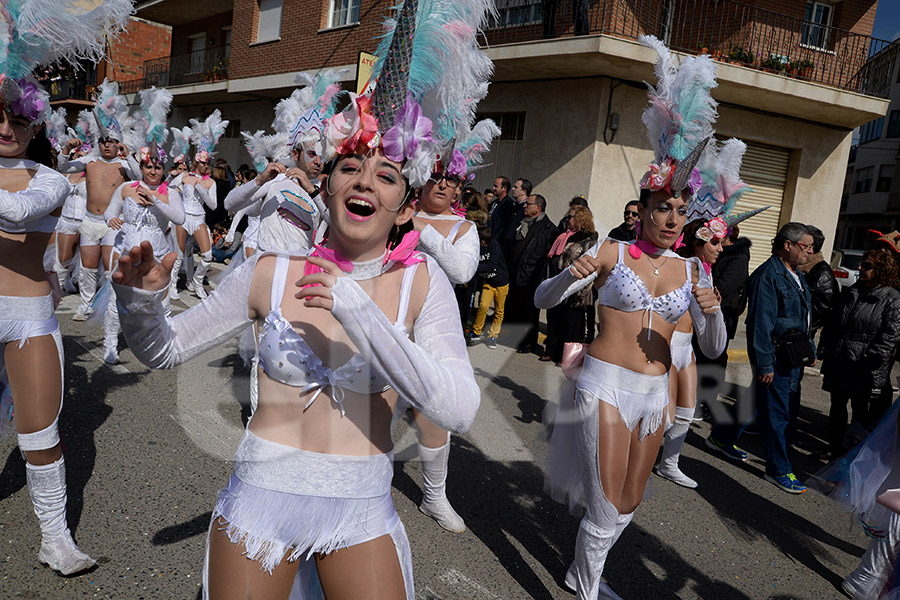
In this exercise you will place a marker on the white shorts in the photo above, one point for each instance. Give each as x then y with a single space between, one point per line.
94 231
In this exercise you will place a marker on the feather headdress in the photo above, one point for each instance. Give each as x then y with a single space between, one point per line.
205 135
40 32
417 104
467 153
85 130
56 129
300 118
154 111
263 148
110 110
720 173
679 118
181 143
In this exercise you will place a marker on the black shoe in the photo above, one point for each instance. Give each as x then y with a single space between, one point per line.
524 349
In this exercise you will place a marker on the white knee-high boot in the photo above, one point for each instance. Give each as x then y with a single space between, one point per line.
111 331
434 501
176 270
62 275
200 273
571 580
47 487
87 287
877 563
671 450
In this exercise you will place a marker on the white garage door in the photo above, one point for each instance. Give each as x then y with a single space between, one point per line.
765 170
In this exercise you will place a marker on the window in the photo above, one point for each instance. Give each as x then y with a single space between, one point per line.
198 52
871 130
512 125
343 12
518 12
894 124
863 180
885 177
818 21
269 26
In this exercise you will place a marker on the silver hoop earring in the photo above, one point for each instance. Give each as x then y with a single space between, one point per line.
652 220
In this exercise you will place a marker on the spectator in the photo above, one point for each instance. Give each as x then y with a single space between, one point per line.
821 281
729 275
489 198
778 306
219 214
858 346
533 238
508 217
626 232
221 249
476 207
501 191
494 289
576 201
567 322
229 174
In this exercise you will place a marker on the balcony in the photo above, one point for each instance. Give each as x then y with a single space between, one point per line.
200 66
70 89
729 31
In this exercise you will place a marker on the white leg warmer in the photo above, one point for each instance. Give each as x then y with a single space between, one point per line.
87 287
200 273
435 503
176 270
111 331
47 487
671 450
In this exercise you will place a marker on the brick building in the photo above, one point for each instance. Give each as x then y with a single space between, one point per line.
795 78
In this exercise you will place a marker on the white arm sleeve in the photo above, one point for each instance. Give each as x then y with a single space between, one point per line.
174 209
46 192
235 221
64 165
208 195
433 373
114 209
162 343
556 289
710 329
240 196
132 168
459 260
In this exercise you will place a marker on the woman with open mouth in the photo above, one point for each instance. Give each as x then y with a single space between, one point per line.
608 430
309 504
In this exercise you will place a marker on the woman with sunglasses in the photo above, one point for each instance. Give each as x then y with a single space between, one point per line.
607 432
32 194
858 345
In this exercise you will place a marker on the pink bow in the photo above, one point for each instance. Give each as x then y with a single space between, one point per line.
162 189
679 243
641 246
707 267
405 252
322 252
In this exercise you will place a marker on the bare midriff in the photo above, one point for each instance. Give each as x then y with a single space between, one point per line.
102 180
22 254
623 341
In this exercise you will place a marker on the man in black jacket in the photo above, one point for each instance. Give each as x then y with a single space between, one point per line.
821 281
626 232
534 236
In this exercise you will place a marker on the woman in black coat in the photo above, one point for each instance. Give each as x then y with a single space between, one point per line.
858 346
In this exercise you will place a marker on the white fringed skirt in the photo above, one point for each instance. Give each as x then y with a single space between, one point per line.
681 350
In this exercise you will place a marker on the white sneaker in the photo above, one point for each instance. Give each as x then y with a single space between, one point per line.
200 292
570 580
173 294
61 554
675 475
606 592
81 313
443 513
110 356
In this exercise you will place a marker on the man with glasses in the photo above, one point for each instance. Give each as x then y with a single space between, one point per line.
626 231
778 305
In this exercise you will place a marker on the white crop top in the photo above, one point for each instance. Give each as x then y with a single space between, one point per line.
29 210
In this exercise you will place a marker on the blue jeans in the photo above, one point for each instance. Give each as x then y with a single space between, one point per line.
220 254
778 405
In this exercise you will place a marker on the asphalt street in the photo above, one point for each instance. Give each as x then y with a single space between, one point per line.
147 452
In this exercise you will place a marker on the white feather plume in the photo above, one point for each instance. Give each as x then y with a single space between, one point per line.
56 128
299 117
110 110
205 135
181 143
264 148
155 103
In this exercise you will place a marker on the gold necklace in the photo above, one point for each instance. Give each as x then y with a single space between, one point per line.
654 267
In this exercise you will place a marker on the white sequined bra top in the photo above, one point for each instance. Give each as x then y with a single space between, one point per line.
286 357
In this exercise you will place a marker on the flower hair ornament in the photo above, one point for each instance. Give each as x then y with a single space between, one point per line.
151 122
679 119
205 135
418 106
41 32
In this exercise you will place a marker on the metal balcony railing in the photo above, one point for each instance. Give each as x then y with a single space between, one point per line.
729 31
69 88
209 64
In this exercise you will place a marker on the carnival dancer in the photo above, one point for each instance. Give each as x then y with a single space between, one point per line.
196 189
313 472
453 242
39 32
103 174
287 199
141 211
710 219
606 435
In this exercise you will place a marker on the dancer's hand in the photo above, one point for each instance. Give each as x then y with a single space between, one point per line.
139 269
584 266
143 198
319 294
270 172
116 223
301 178
706 298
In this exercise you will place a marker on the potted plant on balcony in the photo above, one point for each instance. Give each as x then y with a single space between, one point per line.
737 54
802 69
774 64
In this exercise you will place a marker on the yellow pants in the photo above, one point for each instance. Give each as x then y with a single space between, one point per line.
489 294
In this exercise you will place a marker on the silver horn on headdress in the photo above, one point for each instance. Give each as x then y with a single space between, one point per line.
683 171
390 90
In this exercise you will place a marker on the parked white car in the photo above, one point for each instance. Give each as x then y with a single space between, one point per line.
845 265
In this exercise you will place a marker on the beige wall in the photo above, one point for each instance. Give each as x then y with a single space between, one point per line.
564 153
